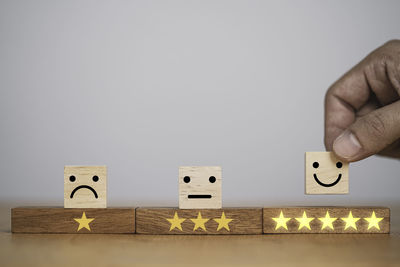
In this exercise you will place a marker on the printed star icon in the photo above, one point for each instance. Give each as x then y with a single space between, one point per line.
223 222
350 221
327 221
83 222
373 221
304 221
176 222
281 221
199 222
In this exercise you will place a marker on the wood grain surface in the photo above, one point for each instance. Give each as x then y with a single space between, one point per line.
61 220
285 220
99 250
212 221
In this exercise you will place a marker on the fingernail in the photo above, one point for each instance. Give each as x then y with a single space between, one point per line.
346 145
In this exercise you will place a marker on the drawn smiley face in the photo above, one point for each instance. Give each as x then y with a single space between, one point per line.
338 165
200 187
85 186
326 174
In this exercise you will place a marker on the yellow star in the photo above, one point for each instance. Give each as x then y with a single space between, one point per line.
304 221
373 221
175 222
327 221
350 221
281 221
223 222
83 222
199 222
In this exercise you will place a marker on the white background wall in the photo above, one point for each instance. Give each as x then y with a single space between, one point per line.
146 86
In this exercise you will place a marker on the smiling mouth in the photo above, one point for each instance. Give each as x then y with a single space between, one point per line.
199 196
327 185
83 186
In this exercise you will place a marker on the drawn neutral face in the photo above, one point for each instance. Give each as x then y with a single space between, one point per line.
85 186
325 174
200 187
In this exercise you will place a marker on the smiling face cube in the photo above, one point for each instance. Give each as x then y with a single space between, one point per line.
200 187
85 187
326 174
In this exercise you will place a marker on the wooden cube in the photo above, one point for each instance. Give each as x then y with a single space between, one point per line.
85 187
200 187
326 174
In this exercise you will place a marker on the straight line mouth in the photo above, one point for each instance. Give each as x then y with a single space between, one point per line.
199 196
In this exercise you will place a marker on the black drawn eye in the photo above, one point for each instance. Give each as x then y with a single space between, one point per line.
212 179
315 165
95 178
186 179
72 178
339 164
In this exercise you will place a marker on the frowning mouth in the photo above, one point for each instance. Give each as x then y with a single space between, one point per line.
199 196
83 186
327 185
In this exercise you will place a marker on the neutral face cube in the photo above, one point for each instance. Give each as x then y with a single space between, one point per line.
85 187
200 187
326 174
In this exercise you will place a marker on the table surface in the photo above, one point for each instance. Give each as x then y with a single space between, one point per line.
151 250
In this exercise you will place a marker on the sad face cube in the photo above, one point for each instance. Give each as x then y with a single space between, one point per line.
85 187
200 187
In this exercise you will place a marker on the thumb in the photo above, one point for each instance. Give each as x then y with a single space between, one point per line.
369 134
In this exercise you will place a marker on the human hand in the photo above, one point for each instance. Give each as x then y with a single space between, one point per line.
362 108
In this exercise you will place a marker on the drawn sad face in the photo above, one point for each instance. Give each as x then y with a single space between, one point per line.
85 186
325 174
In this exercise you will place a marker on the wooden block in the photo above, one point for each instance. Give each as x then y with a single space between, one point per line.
326 174
325 220
85 187
200 187
174 221
79 221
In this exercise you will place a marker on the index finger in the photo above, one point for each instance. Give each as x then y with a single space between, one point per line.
342 101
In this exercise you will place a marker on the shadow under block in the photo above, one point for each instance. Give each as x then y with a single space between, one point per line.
325 174
174 221
326 220
80 221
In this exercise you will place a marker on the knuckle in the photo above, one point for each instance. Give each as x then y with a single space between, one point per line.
388 52
393 42
375 125
386 61
386 58
327 95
